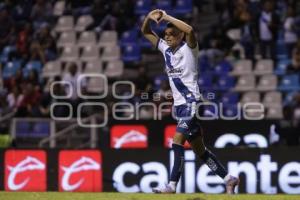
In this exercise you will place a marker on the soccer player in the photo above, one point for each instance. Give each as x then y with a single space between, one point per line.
180 49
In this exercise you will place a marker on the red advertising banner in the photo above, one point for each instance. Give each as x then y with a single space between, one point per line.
128 136
25 170
169 133
80 171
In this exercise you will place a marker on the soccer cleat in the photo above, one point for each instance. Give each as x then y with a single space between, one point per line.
231 184
166 190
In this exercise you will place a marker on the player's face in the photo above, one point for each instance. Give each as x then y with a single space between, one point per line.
173 37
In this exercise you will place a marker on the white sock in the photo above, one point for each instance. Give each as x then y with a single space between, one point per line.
226 178
173 184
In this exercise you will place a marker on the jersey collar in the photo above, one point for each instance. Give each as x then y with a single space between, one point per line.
177 48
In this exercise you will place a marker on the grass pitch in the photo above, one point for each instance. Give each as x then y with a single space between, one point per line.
140 196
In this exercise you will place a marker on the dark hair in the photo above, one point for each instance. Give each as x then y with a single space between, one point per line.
170 25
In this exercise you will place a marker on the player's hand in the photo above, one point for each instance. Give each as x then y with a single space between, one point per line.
164 15
155 15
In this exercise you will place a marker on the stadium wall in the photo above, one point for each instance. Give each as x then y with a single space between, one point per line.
152 133
272 170
217 133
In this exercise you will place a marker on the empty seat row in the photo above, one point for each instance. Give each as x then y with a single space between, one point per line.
67 23
240 67
268 98
130 53
90 52
181 7
113 68
268 82
10 68
271 112
262 67
205 81
55 68
107 38
249 82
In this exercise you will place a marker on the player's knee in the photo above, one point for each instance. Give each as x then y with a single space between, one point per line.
179 138
197 144
197 135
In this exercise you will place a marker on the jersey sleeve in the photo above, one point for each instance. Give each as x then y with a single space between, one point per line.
161 45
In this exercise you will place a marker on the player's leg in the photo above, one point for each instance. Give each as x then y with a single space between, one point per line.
212 162
178 149
208 157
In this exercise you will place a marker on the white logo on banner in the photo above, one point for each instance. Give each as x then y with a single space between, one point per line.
83 164
130 136
29 163
252 140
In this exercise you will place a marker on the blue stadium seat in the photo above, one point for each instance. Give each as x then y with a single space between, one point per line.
32 65
129 37
289 83
204 64
159 28
32 129
224 83
144 43
10 69
224 67
211 111
142 7
281 51
35 64
229 98
282 66
289 98
41 129
158 80
22 128
205 81
229 110
5 53
209 95
183 7
165 5
131 53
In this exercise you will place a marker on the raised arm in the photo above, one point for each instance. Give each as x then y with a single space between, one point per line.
190 37
146 29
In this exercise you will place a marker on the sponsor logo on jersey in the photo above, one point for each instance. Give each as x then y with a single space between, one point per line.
183 125
174 72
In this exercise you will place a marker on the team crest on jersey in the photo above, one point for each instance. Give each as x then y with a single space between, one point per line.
176 59
183 124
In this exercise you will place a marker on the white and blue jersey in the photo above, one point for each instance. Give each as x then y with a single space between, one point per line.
181 67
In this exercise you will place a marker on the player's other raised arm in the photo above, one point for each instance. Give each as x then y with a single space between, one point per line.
146 29
190 37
